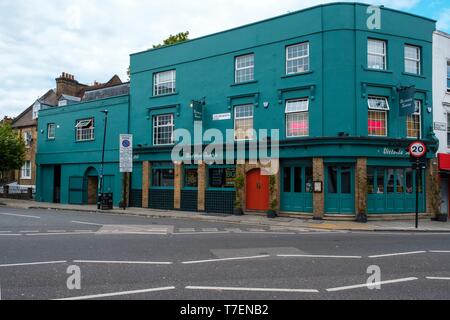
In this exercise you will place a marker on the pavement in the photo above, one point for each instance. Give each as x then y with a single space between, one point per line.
77 255
425 225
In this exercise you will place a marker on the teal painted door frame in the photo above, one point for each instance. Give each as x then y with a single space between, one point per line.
393 190
296 194
339 189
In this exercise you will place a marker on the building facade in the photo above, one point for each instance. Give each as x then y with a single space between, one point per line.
441 97
327 79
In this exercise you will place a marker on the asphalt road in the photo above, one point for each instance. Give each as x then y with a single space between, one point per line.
126 257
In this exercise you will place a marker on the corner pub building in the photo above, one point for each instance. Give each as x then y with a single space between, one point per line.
324 76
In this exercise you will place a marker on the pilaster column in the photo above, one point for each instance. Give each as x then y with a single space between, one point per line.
361 186
177 185
319 198
146 169
201 204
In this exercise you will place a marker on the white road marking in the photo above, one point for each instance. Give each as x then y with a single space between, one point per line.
438 278
31 264
252 289
397 254
122 262
210 230
256 230
57 231
10 235
317 256
186 229
439 251
115 294
29 231
5 231
60 234
83 231
358 286
226 259
19 215
87 223
201 233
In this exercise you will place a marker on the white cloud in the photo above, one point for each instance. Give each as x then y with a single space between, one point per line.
444 20
93 39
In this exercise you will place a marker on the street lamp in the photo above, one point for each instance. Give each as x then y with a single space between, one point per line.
101 188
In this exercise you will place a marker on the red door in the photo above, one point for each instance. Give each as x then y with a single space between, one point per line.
257 191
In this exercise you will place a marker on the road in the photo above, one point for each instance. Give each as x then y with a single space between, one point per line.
127 257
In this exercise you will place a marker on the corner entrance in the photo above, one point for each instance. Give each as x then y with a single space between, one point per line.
339 188
257 191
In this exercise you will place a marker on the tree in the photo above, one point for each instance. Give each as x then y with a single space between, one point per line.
12 149
172 39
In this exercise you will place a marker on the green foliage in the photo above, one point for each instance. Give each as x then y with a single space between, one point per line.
239 184
12 149
173 39
272 189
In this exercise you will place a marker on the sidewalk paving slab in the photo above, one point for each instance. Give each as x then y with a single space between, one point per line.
426 225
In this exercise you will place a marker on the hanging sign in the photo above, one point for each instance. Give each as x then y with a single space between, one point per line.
407 101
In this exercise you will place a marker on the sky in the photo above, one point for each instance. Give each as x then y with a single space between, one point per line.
92 39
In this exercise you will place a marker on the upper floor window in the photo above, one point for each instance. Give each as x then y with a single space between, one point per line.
412 59
413 122
297 58
27 138
376 54
164 83
378 115
85 130
26 170
297 118
51 131
243 122
245 68
163 126
448 75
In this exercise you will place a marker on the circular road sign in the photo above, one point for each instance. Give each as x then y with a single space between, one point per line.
126 143
417 149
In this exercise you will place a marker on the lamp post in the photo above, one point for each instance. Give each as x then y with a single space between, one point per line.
101 187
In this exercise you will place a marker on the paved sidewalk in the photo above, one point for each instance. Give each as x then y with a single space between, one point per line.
426 225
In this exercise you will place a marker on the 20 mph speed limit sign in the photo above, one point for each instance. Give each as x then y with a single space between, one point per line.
417 149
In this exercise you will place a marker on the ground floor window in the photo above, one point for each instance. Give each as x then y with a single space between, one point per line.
298 179
191 178
163 177
26 170
222 177
392 180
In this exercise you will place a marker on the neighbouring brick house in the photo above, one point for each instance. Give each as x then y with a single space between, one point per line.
68 91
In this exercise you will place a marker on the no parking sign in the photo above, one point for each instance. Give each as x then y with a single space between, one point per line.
126 153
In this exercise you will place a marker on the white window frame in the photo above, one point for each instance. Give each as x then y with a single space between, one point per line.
448 77
27 137
157 82
418 104
299 109
418 60
53 137
385 110
237 118
26 170
237 68
384 55
298 58
82 130
157 127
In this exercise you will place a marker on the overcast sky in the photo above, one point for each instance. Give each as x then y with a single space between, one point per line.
92 39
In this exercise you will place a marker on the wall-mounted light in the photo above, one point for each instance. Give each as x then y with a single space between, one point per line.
266 104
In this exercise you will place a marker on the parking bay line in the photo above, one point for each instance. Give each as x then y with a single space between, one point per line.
226 259
368 285
317 256
87 223
19 215
116 294
123 262
438 278
396 254
252 289
31 264
439 251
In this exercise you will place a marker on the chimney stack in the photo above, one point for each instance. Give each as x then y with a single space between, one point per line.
66 84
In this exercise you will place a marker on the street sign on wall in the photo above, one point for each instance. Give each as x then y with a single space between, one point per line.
126 153
197 107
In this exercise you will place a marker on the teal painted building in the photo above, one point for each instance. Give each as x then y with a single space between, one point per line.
327 77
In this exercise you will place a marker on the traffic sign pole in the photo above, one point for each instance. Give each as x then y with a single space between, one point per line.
417 151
